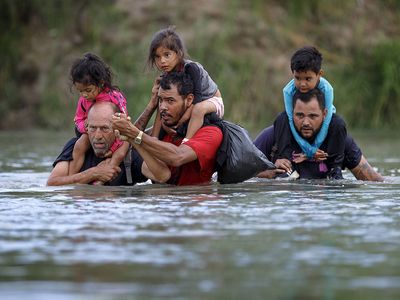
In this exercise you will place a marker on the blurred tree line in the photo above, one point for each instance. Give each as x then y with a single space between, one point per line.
245 45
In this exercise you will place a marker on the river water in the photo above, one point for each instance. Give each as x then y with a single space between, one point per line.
262 239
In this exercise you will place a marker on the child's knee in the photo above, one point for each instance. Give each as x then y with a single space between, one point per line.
198 111
217 105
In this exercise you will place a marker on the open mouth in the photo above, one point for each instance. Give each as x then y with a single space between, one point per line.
307 133
99 145
165 115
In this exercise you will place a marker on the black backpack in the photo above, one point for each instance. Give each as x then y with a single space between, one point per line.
238 159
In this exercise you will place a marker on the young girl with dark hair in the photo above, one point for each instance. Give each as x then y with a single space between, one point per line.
168 54
92 78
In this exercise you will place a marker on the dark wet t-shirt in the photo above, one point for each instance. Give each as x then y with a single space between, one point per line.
91 160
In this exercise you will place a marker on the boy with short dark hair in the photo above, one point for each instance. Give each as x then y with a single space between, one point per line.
307 72
306 66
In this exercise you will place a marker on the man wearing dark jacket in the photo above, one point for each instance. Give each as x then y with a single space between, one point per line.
337 151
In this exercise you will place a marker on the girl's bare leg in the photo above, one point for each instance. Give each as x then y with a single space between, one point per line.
78 154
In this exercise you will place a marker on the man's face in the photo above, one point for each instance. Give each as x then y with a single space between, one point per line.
171 105
306 81
308 117
99 130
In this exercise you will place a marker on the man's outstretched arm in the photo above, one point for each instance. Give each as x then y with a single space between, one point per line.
168 153
103 172
364 171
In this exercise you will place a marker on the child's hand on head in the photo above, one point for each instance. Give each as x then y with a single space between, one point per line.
156 86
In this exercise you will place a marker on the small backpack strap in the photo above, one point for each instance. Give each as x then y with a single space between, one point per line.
274 150
128 165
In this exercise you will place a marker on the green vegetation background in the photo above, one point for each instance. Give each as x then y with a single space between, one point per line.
245 46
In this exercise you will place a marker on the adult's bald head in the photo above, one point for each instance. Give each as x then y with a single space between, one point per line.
102 108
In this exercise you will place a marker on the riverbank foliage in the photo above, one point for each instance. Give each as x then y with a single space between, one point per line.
245 46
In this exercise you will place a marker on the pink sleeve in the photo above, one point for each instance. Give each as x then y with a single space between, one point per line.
116 145
81 115
119 99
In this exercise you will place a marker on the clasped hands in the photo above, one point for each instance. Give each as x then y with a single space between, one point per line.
123 127
286 165
319 156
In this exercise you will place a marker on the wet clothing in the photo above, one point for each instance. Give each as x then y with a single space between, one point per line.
288 92
205 144
203 85
265 142
107 95
277 142
91 160
204 88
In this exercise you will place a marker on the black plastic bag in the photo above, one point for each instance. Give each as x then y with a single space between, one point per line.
238 159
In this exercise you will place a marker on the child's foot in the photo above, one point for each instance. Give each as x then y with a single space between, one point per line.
184 140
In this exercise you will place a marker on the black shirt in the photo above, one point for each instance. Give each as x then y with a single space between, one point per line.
283 145
91 160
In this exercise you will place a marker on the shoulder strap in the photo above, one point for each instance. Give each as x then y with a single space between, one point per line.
128 165
282 137
274 151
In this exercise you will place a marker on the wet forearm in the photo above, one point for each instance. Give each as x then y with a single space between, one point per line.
152 167
82 178
168 153
364 171
145 116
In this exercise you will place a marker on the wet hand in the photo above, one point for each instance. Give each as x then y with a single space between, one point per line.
154 90
120 136
284 164
105 162
105 172
123 127
298 157
320 155
270 174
